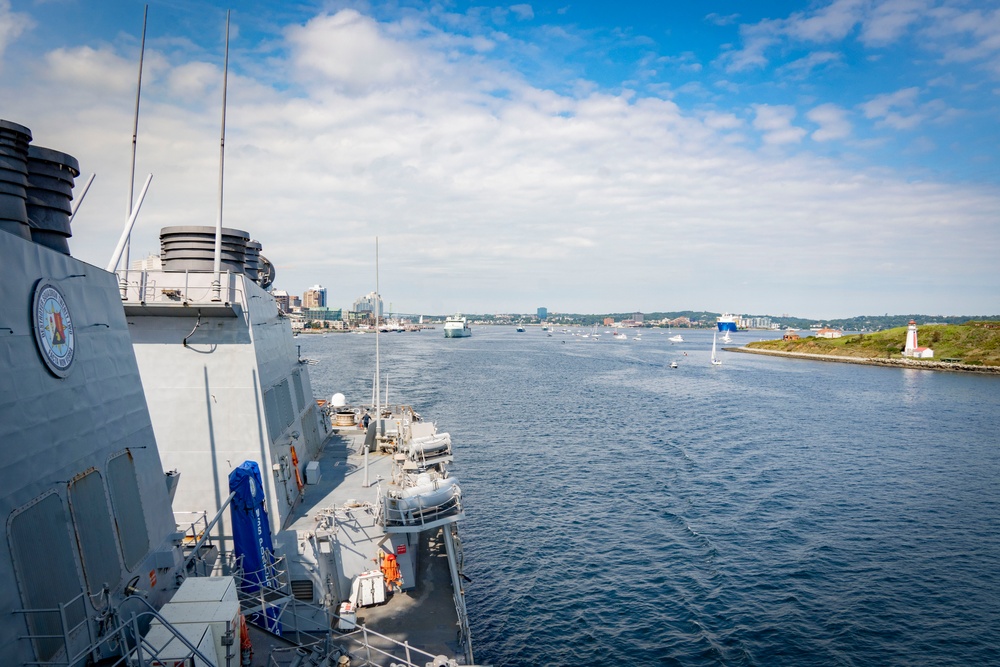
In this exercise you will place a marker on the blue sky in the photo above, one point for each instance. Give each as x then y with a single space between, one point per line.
822 159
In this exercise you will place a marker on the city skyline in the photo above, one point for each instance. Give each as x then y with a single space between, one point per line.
831 160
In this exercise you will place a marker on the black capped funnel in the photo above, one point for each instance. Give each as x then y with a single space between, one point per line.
50 191
14 141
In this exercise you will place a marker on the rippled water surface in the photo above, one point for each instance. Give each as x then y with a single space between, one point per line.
765 512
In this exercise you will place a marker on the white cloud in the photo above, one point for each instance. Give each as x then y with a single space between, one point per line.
191 81
888 21
350 49
523 12
832 121
488 202
829 23
775 124
899 110
803 67
12 25
950 27
99 70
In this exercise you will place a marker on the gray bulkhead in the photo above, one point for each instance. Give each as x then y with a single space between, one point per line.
82 490
223 390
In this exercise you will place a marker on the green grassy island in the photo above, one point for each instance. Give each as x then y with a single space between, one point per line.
975 344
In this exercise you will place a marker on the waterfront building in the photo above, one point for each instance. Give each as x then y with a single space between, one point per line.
281 296
826 332
314 297
369 305
543 314
911 349
322 313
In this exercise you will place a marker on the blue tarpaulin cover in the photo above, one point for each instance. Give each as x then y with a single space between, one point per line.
252 538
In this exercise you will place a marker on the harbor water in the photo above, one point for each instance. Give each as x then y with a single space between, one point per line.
766 511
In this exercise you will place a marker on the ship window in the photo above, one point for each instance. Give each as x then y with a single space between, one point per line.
42 550
95 534
300 395
133 536
302 589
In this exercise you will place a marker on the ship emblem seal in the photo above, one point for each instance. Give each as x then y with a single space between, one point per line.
54 330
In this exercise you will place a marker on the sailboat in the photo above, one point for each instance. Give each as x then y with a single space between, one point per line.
715 360
727 338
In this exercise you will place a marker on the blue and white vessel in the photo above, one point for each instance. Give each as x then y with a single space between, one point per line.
726 322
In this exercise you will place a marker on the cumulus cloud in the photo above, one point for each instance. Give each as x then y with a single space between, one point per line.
523 12
775 124
350 50
832 121
192 81
803 67
898 110
888 21
12 25
98 69
958 32
491 201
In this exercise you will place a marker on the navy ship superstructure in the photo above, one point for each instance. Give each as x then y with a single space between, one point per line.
109 380
351 510
90 535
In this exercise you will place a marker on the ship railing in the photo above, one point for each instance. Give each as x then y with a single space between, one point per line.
425 460
198 535
117 636
63 642
299 621
415 516
178 289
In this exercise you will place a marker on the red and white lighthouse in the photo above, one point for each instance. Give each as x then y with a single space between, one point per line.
911 339
912 349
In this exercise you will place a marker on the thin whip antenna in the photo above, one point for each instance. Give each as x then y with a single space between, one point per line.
217 281
376 388
79 200
123 284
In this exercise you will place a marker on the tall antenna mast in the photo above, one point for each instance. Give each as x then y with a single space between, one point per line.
123 281
217 268
377 390
378 375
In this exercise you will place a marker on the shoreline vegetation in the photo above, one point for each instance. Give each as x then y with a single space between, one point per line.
971 347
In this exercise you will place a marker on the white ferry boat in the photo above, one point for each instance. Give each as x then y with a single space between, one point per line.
457 326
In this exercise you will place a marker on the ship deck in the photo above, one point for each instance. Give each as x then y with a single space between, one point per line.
424 616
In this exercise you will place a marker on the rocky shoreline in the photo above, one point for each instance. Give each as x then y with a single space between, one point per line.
918 364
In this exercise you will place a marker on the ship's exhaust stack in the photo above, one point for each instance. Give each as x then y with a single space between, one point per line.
192 248
14 140
36 188
50 193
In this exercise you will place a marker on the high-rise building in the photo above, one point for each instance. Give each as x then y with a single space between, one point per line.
543 313
314 297
369 303
281 297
